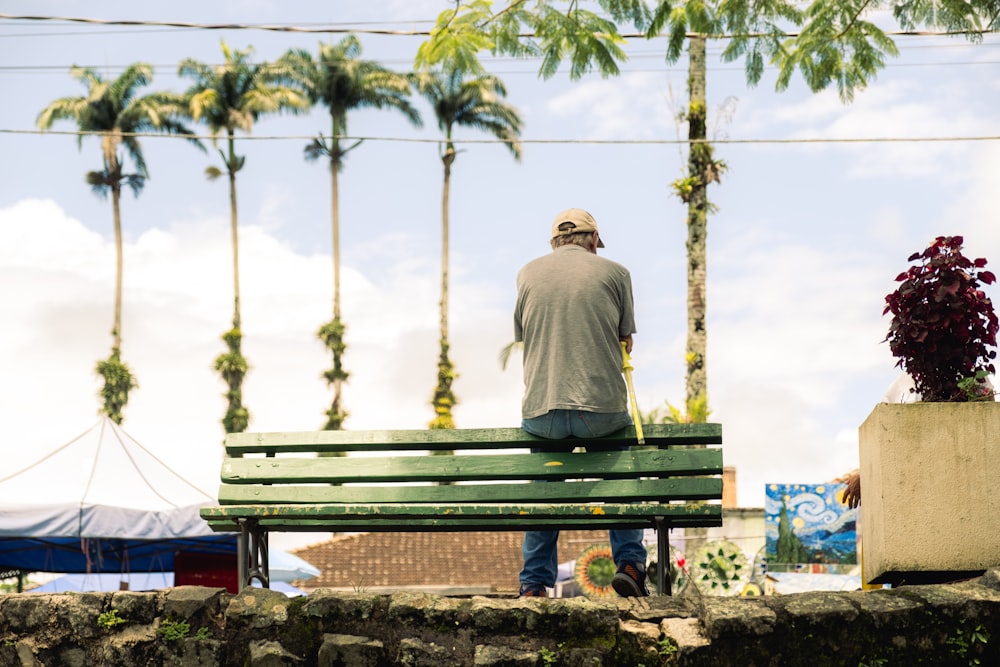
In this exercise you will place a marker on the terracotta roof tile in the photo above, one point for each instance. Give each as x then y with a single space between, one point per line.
473 559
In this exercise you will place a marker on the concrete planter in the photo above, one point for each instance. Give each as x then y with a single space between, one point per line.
929 510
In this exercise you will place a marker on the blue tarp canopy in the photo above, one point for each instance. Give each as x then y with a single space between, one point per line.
99 554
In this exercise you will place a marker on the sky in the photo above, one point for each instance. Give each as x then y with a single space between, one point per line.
820 206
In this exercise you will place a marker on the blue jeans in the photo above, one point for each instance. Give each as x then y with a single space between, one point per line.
541 560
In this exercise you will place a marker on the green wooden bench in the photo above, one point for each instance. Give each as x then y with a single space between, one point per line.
388 481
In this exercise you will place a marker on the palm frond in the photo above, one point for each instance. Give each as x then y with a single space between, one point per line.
507 351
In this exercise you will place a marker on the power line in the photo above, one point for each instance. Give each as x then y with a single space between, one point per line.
634 56
610 142
168 70
222 26
95 33
405 33
642 54
160 29
355 27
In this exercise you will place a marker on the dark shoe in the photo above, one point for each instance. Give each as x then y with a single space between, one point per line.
630 580
533 591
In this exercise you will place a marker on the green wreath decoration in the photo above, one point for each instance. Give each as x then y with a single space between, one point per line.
594 571
720 568
679 576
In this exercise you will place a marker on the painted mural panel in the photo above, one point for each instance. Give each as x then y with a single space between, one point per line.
809 529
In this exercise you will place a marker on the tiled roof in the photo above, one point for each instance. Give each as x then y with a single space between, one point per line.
489 560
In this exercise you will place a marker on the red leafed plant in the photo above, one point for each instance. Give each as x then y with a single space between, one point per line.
943 324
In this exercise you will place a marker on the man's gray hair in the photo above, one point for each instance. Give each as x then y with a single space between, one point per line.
583 239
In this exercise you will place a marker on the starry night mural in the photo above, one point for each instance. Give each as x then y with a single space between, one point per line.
808 527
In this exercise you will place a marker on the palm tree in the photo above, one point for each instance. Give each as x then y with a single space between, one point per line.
342 82
467 101
227 98
115 112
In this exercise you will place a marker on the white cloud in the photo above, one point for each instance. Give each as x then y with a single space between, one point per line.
178 302
976 204
632 106
776 317
898 108
793 329
766 446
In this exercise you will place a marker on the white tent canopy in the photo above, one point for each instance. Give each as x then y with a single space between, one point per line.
102 503
103 466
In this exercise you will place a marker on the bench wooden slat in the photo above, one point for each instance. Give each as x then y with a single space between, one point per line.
239 444
343 470
467 512
685 488
369 524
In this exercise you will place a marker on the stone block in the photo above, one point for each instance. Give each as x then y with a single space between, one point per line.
929 513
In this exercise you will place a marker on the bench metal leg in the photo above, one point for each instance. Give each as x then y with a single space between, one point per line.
663 556
252 554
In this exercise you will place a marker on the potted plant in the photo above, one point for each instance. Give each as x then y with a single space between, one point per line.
943 324
929 512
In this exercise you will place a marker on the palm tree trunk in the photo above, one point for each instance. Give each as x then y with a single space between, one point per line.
697 221
445 193
338 382
118 379
444 397
116 329
335 231
232 364
698 156
332 333
234 233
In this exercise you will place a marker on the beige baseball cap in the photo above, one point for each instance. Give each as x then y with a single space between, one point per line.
580 220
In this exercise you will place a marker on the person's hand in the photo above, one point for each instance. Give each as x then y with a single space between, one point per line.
852 495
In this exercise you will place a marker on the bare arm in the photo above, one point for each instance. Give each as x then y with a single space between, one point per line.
628 342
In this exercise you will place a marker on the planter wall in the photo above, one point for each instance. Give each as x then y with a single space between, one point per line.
930 511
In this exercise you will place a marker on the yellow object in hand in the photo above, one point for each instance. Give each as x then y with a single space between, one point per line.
627 370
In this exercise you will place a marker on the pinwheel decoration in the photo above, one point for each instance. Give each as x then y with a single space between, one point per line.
594 570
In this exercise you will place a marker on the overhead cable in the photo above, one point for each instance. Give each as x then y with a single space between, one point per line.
406 33
622 142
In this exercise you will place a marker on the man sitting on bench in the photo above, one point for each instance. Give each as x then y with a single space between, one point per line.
573 311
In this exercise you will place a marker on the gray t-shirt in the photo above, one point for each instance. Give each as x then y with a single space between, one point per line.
573 307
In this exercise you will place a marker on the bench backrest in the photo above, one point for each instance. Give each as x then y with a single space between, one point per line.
328 442
446 467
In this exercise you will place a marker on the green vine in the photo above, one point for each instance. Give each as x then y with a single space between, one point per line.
684 187
118 381
233 368
332 336
712 171
444 398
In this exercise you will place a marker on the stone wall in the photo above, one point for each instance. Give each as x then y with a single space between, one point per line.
940 625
